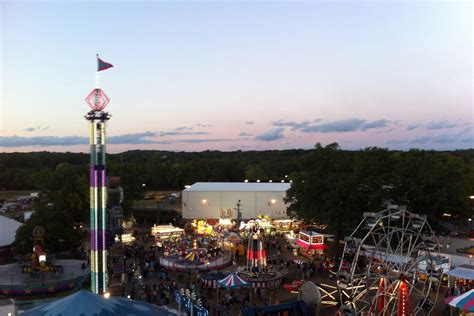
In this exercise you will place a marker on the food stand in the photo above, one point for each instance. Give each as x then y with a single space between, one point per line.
311 243
163 232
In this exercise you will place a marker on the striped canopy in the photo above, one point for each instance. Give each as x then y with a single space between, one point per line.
464 301
232 281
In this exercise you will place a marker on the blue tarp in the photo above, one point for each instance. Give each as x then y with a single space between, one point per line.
85 303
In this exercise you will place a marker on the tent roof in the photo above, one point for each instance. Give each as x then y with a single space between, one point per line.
463 272
84 303
238 186
464 301
232 281
8 229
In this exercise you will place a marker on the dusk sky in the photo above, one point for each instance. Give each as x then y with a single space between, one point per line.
230 75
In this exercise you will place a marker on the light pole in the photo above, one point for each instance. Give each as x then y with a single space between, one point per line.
239 213
471 211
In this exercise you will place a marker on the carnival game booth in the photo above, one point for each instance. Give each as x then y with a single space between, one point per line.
166 232
286 225
311 244
463 276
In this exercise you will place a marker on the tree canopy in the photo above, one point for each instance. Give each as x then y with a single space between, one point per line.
336 187
330 185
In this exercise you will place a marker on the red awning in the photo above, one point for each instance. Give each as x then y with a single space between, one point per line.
306 245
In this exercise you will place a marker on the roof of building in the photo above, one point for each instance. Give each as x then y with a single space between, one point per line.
463 271
311 233
8 229
238 186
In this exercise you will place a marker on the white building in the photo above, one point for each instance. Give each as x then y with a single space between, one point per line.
214 200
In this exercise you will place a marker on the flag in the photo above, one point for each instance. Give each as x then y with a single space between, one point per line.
102 65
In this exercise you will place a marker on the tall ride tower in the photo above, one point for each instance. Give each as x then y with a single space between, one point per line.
97 118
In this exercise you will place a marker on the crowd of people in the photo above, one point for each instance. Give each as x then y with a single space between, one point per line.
145 279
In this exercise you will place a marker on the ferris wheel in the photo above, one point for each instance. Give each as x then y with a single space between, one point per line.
389 266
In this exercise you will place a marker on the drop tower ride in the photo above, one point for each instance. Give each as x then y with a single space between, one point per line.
98 118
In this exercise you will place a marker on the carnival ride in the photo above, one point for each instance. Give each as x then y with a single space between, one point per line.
23 280
40 263
195 258
257 272
387 252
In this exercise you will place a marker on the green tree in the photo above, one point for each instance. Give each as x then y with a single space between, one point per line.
59 231
335 187
255 172
432 183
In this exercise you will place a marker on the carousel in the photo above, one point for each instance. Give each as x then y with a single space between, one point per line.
202 256
42 275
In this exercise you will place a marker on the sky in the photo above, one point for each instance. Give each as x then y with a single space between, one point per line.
238 75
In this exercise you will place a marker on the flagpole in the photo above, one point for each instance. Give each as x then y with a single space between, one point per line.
97 76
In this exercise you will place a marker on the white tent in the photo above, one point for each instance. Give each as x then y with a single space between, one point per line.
8 228
214 200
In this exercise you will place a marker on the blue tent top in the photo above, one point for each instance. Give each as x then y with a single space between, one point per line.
85 303
463 271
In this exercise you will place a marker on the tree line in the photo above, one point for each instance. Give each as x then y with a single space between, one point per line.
336 187
330 185
157 169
